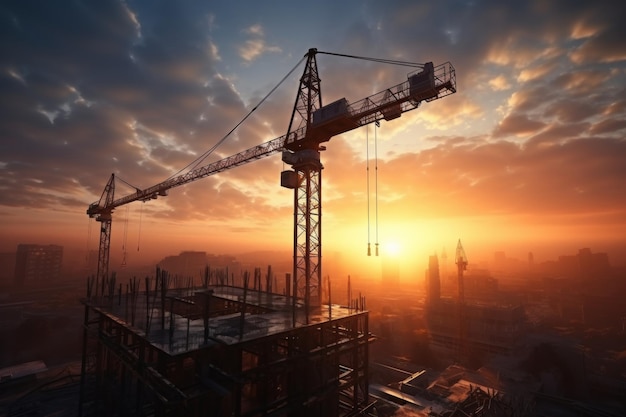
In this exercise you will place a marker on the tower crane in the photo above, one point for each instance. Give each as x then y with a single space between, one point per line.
311 125
460 259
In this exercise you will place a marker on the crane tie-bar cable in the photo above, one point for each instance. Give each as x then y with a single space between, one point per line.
194 164
380 60
139 232
127 183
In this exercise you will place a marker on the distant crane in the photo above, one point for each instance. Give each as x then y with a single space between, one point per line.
311 125
460 259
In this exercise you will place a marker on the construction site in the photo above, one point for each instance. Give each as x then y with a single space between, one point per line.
232 346
224 347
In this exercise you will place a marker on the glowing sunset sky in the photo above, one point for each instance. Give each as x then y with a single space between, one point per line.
530 152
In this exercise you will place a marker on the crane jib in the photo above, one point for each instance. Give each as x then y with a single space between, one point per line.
430 83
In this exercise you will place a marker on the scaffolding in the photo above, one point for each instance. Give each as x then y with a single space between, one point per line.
219 349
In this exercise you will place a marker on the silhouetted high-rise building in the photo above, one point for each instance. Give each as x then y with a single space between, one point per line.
433 282
186 264
593 266
37 263
586 266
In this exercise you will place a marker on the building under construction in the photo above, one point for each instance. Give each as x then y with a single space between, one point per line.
162 347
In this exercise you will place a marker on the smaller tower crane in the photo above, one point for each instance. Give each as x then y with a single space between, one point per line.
461 263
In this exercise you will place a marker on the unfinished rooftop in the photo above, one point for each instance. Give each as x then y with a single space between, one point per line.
172 349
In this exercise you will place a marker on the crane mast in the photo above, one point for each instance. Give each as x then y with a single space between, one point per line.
311 124
460 259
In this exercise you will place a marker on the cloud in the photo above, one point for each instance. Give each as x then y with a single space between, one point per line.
76 94
556 134
535 72
256 46
583 81
499 83
568 110
517 124
583 29
456 110
608 126
256 30
253 48
600 34
515 180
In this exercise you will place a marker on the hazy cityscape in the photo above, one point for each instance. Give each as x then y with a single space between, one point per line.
545 335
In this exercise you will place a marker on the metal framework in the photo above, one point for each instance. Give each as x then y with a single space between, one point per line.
195 361
105 218
308 232
305 161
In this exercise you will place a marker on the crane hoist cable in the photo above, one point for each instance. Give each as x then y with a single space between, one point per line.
126 220
139 232
367 169
376 126
125 237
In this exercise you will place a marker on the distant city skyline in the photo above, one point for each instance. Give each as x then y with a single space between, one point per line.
586 263
38 264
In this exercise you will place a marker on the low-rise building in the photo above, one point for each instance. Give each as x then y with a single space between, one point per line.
37 263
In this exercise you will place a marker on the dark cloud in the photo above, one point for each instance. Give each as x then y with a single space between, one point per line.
517 124
606 44
570 111
556 134
607 126
88 84
581 82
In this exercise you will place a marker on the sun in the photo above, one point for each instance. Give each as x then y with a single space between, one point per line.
392 249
